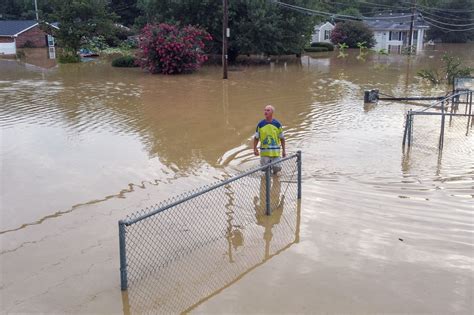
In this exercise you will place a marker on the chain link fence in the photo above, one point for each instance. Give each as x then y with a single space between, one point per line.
446 123
173 254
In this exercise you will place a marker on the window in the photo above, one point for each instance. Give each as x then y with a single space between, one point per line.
327 34
395 35
50 40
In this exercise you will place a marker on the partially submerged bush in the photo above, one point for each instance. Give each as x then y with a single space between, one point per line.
316 49
170 49
125 62
452 68
329 46
351 33
69 57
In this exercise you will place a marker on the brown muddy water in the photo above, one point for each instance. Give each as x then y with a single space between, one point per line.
378 230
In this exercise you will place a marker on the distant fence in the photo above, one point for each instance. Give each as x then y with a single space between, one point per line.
456 118
158 238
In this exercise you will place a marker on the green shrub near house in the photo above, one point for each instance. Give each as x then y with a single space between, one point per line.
68 58
351 33
315 49
329 46
125 62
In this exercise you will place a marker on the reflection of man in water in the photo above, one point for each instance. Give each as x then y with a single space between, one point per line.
276 203
270 134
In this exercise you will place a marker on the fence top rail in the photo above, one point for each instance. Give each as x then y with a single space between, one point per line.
441 114
451 96
206 189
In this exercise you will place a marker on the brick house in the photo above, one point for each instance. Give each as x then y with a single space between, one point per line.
21 33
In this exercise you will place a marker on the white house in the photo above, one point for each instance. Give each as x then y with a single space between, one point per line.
322 33
392 31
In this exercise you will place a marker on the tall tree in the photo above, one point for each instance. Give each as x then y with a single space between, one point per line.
23 9
80 20
126 10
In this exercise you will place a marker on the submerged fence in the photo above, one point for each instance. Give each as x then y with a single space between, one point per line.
157 239
455 114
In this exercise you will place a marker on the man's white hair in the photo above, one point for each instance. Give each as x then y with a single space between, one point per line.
271 107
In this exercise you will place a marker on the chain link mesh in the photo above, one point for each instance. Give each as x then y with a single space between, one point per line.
179 256
426 128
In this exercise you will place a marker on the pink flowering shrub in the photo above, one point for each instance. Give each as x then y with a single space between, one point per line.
171 49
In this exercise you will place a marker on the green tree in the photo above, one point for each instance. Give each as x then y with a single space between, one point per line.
23 9
126 10
79 21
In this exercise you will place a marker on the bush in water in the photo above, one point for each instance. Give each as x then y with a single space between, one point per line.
125 62
68 57
451 69
315 49
171 49
352 32
329 46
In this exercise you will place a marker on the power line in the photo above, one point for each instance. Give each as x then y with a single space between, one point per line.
441 9
316 12
347 17
381 5
340 16
442 17
449 24
449 29
364 6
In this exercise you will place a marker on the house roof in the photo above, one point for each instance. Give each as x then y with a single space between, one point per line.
13 28
395 22
317 27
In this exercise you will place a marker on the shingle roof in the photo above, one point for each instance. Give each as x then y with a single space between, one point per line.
395 21
10 28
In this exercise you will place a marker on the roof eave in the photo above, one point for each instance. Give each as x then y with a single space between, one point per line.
26 29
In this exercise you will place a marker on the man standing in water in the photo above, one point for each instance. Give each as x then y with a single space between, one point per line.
270 134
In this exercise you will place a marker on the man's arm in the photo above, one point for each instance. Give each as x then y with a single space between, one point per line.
282 140
255 150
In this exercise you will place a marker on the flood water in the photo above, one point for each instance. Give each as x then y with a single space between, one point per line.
379 230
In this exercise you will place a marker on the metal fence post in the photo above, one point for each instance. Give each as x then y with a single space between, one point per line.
299 163
405 133
267 190
123 257
470 108
410 127
441 134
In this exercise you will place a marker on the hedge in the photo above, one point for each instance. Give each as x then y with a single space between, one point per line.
329 46
315 49
124 62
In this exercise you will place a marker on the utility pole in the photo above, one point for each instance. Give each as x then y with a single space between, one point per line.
36 10
413 6
225 36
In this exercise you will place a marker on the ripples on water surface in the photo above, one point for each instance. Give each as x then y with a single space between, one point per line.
84 145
